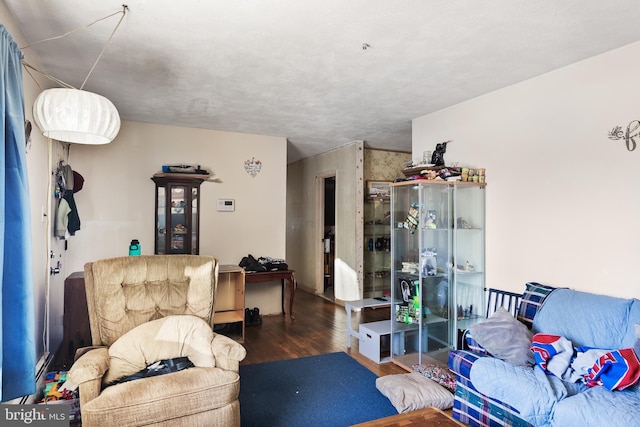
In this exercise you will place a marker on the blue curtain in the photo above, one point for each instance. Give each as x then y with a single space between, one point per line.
18 323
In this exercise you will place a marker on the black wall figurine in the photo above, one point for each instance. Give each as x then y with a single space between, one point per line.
438 155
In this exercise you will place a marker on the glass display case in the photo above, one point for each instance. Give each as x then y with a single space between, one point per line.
377 247
437 268
177 224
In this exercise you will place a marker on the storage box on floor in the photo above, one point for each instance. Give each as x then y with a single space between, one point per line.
375 340
58 391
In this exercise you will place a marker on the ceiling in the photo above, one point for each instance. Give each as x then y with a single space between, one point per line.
322 73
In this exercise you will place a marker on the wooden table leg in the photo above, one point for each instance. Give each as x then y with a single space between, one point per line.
282 298
292 289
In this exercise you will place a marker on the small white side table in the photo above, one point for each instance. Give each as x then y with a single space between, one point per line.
359 305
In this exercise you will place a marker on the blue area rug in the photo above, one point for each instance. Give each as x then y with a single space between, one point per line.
329 390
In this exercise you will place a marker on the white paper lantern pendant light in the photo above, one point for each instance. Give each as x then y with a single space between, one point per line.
76 115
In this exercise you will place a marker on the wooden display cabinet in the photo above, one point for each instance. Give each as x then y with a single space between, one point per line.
177 225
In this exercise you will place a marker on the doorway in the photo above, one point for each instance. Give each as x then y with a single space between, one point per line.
328 221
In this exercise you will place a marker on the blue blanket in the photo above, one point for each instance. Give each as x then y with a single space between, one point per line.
545 400
530 391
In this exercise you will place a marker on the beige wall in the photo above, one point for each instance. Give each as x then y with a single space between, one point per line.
562 198
117 201
304 237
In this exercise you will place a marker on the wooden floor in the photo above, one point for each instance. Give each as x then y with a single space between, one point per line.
320 327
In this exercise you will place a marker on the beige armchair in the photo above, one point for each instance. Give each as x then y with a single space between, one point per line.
124 293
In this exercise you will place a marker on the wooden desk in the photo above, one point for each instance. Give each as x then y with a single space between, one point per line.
422 417
270 276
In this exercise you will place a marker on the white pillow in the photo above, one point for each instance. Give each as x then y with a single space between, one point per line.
505 337
413 391
165 338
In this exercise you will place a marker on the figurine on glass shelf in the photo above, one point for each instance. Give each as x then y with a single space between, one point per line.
467 268
429 262
411 222
430 219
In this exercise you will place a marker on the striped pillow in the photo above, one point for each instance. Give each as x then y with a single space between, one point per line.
532 300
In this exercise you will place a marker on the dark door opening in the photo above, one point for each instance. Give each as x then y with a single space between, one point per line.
329 236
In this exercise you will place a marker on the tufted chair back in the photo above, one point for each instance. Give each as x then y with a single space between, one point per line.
125 292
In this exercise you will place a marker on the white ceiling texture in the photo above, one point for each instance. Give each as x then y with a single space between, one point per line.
321 73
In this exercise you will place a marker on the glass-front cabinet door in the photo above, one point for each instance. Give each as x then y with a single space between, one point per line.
177 214
437 268
195 222
377 250
161 220
469 255
180 220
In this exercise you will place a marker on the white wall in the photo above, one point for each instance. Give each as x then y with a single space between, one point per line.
304 240
117 202
562 198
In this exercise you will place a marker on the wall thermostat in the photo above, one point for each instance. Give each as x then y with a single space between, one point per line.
226 205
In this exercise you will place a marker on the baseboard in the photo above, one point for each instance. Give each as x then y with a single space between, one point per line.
42 367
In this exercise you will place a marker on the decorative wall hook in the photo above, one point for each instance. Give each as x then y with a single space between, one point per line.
628 136
252 166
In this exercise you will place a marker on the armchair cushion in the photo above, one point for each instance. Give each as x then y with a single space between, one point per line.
125 292
175 399
165 338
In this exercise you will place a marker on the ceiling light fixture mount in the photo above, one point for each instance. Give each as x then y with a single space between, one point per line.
75 115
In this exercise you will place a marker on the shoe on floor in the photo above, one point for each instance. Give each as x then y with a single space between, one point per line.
256 318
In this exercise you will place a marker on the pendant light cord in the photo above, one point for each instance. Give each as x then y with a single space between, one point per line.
29 67
124 12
